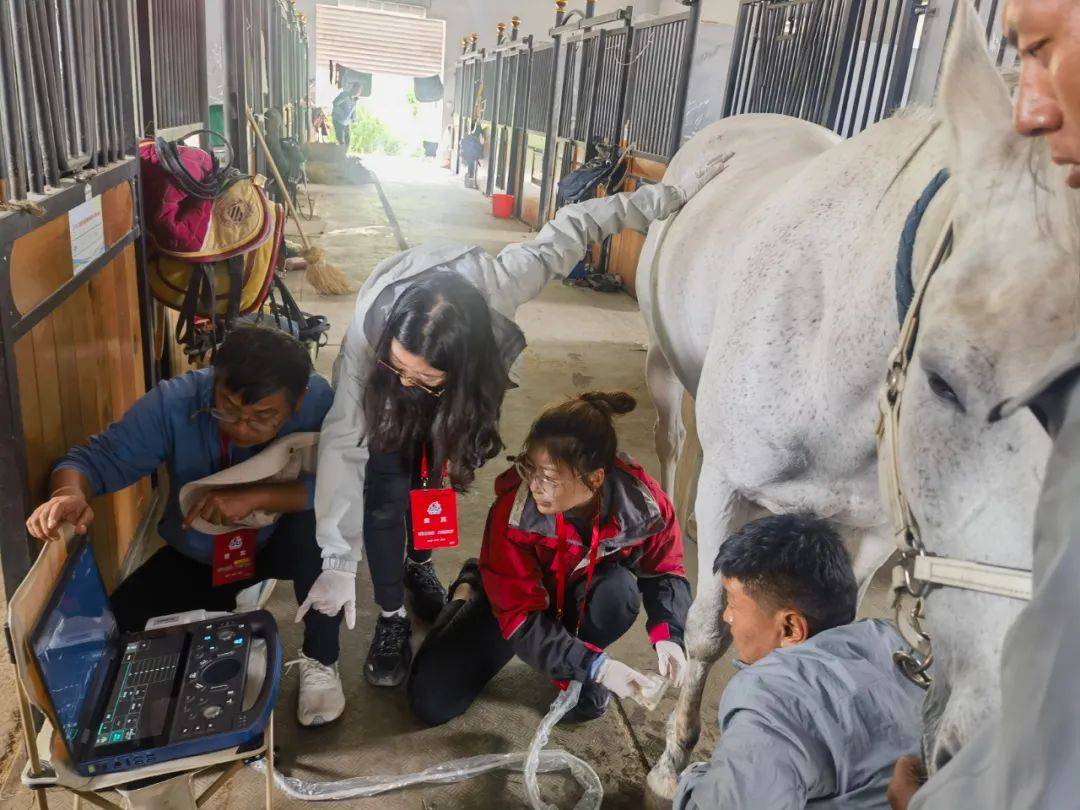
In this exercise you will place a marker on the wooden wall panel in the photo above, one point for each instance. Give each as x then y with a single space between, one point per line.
79 369
626 247
34 437
41 260
41 263
117 210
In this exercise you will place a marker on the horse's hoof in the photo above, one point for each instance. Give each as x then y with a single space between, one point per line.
663 782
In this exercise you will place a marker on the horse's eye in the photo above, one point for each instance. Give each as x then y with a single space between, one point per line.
943 390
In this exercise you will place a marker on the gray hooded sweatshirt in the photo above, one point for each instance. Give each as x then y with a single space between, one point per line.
820 724
507 281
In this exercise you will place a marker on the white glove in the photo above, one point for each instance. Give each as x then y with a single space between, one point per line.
332 592
621 679
672 661
689 180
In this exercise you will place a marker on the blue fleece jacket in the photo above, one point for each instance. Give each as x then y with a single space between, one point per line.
172 425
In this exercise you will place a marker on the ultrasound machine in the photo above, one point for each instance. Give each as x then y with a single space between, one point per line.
125 701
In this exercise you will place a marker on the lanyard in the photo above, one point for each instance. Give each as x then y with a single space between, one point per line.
225 457
560 564
424 467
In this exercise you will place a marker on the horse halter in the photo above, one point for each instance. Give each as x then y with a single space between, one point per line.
918 570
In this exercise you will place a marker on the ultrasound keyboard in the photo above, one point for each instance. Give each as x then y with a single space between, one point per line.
143 691
196 677
212 694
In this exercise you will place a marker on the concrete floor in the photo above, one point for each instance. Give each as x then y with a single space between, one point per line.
577 340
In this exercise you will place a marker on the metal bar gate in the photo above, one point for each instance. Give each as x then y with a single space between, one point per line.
267 66
545 107
172 67
844 64
65 91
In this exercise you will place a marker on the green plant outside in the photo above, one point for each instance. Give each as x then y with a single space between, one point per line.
368 134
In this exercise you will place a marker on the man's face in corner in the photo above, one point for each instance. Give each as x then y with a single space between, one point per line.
1047 35
757 626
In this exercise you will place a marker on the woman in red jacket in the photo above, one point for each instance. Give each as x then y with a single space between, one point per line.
577 541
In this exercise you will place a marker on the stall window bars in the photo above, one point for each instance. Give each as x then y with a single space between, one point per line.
66 91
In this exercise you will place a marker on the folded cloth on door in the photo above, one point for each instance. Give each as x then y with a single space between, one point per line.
286 459
347 76
428 88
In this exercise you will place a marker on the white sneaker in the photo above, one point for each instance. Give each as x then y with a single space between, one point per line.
322 699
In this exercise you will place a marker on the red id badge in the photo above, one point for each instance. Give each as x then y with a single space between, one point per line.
234 556
434 518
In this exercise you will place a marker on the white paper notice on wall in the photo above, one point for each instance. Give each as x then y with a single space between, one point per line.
87 233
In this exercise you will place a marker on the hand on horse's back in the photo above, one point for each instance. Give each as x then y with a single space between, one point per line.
689 177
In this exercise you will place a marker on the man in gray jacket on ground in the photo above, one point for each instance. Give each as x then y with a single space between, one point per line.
818 712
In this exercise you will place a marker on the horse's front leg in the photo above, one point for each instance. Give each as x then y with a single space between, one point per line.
719 511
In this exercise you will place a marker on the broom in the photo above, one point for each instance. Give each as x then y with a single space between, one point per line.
325 278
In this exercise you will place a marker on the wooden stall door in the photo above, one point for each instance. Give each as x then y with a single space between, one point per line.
626 247
80 368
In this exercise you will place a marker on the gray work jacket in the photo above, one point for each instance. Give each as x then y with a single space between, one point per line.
1028 756
507 281
820 724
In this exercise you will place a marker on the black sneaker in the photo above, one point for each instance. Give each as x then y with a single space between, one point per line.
390 655
592 704
428 593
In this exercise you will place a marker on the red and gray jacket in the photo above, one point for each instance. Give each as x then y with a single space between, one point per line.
518 563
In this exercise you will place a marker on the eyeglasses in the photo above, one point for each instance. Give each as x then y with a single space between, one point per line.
409 380
530 475
227 418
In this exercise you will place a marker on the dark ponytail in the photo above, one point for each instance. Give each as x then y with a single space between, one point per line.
615 403
580 433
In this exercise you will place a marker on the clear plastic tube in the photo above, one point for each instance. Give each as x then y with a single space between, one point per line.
535 761
650 696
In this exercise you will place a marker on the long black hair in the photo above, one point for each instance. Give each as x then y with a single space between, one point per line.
445 320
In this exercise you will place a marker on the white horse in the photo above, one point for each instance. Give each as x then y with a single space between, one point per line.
770 298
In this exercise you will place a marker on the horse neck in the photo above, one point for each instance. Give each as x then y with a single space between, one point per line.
917 147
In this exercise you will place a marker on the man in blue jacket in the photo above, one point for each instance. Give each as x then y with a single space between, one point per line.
342 112
260 388
818 713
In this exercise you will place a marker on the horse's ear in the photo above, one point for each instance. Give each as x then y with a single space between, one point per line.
973 98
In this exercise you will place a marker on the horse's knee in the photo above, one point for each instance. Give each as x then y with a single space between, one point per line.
667 444
706 634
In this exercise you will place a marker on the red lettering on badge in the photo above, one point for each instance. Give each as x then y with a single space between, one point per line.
234 557
434 518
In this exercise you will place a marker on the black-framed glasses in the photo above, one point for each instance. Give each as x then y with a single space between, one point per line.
529 474
408 380
227 418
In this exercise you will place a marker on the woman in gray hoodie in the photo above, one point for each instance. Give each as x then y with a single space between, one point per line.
420 378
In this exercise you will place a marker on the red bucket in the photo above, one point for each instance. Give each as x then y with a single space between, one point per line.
502 206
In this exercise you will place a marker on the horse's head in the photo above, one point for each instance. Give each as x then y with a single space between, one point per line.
994 312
